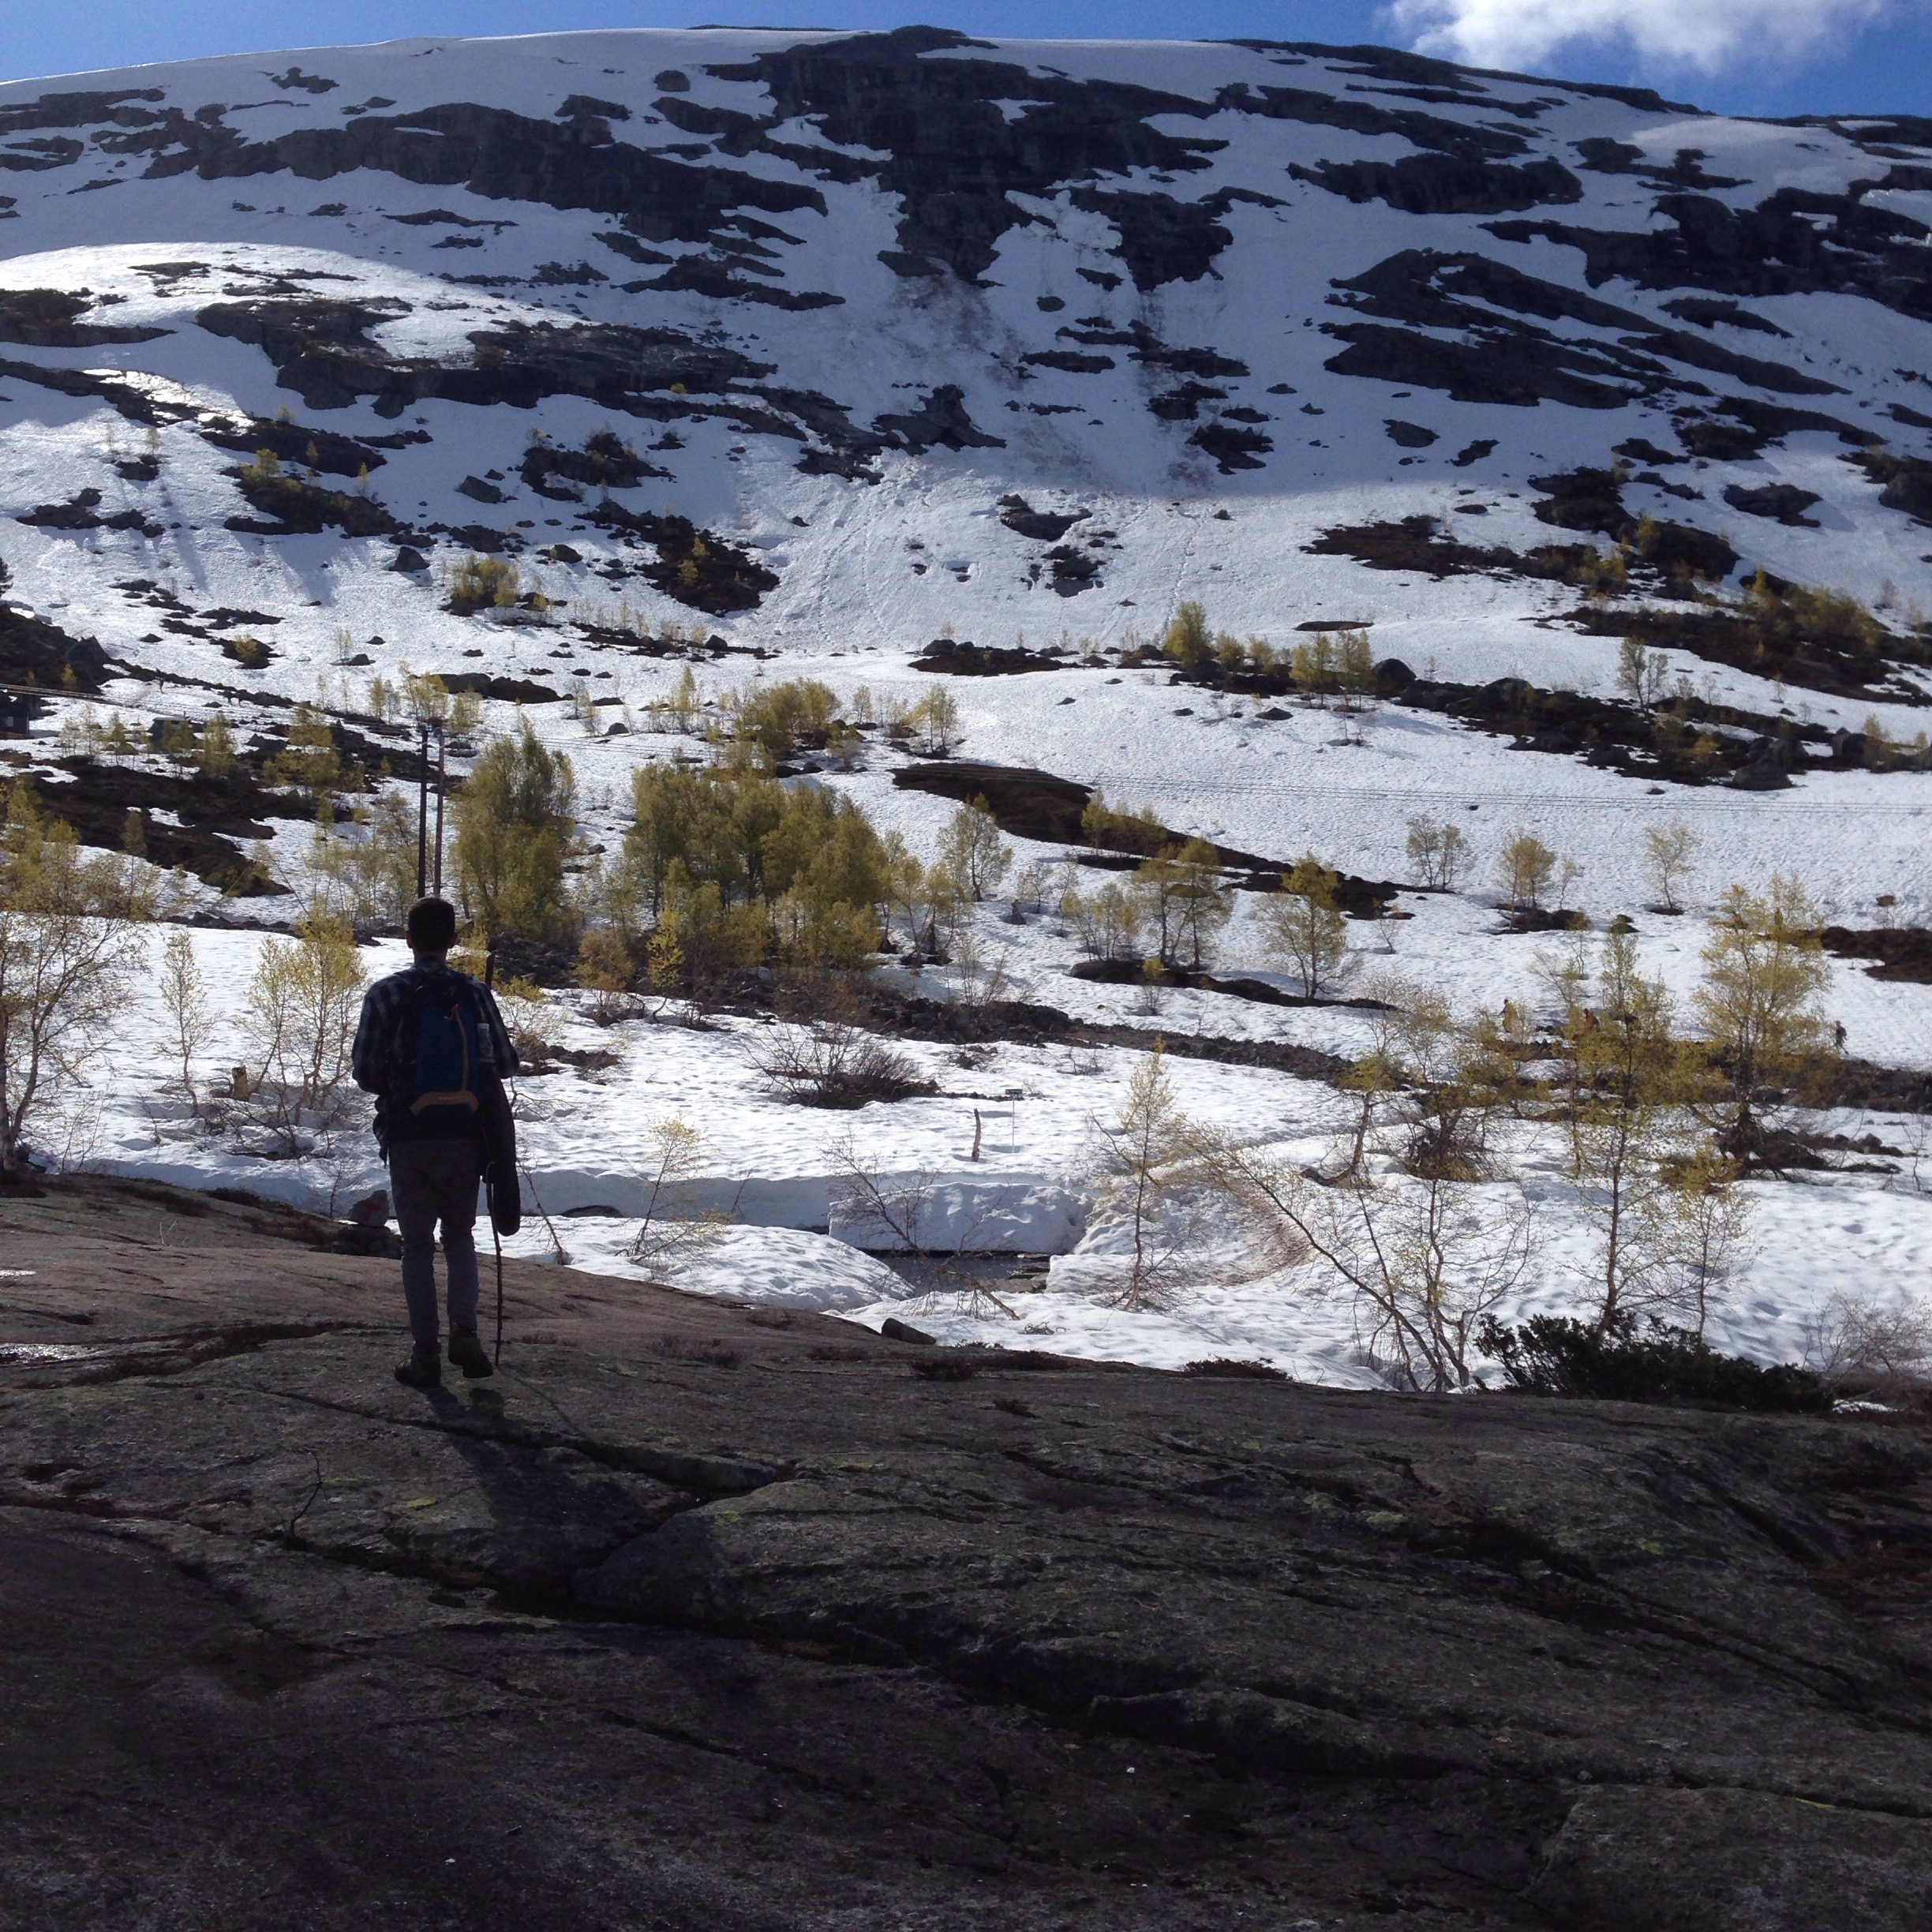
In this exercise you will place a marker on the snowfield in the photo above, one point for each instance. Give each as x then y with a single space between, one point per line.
1294 291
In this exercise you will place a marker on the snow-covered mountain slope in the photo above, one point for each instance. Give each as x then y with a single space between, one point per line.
756 352
900 331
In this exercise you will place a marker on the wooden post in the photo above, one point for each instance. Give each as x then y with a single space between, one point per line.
442 787
422 813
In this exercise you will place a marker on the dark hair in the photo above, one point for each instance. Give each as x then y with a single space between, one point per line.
430 926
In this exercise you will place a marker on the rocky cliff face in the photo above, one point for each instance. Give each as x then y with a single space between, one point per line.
850 292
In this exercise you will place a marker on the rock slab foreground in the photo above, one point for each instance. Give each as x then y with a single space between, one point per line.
698 1615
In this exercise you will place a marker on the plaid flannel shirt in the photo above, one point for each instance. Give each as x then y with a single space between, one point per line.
382 1005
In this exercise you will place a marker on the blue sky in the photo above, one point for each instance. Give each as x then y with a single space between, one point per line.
1883 64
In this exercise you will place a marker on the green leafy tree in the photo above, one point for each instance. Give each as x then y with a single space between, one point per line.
1302 926
515 819
972 847
1189 639
70 948
1765 973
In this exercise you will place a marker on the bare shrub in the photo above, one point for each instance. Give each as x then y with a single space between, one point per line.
899 1207
1862 1348
68 952
825 1059
674 1229
1439 852
1150 1184
1395 1214
184 999
300 1010
1525 871
1670 853
604 971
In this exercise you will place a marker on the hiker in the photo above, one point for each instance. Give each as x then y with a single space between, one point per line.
431 1046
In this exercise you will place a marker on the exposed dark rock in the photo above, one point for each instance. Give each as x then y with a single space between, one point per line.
1186 362
1760 774
1446 184
1513 361
1417 543
1164 240
297 507
1641 450
1031 804
1522 372
1582 499
1069 361
445 218
1706 312
961 657
309 83
695 276
1183 404
49 319
1048 526
80 109
1232 447
128 399
293 443
1413 543
698 567
955 157
81 511
1409 436
1901 952
478 491
1688 742
588 107
632 249
1656 1860
1602 155
1781 247
1073 571
320 349
505 689
941 421
1473 452
34 651
1783 502
1682 548
1464 139
1817 650
605 462
1907 480
494 153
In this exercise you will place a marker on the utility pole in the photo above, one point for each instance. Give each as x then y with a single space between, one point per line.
442 786
422 812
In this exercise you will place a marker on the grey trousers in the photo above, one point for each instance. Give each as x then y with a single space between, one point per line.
433 1181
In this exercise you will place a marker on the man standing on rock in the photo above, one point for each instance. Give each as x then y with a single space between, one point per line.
432 1048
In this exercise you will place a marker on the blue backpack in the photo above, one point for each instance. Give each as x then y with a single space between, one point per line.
439 1062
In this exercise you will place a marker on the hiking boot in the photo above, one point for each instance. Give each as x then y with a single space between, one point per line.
421 1370
468 1353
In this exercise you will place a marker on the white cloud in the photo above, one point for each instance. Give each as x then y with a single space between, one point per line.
1706 34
